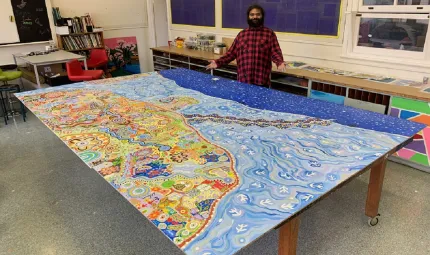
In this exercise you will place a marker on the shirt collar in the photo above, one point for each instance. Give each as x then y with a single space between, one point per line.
256 28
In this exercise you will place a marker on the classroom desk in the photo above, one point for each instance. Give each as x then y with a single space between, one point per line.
56 57
209 162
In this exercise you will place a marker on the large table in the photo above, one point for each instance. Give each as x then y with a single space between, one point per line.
56 57
215 164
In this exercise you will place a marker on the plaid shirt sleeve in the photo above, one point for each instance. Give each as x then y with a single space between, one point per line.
230 55
277 57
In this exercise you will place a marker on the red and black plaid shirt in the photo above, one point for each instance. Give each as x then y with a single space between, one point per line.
254 50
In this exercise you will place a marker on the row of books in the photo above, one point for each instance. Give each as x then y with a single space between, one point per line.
82 42
82 24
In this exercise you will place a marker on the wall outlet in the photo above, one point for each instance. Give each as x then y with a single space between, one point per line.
47 69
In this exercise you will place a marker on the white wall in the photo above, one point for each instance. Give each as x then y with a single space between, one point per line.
6 51
314 50
160 22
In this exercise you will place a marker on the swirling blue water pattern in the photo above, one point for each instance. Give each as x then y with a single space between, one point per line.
281 171
274 100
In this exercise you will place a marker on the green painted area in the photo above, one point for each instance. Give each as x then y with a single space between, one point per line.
167 184
410 104
421 159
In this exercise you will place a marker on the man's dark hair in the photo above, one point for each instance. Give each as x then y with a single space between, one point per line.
255 6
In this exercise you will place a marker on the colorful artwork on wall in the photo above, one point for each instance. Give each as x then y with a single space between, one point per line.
123 56
211 174
417 111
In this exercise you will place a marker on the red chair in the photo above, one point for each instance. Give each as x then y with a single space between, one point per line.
76 73
98 59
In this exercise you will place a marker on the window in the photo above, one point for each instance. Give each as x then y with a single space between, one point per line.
393 33
378 2
398 6
394 36
413 2
399 2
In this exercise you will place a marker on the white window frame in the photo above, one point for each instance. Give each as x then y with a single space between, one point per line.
404 54
393 8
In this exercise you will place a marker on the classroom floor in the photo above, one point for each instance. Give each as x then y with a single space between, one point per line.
52 203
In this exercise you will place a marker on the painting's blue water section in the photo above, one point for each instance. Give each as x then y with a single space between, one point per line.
269 99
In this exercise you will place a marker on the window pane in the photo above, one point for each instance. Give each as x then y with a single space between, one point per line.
398 34
414 2
378 2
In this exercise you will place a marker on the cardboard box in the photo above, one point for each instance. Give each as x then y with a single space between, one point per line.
50 70
64 30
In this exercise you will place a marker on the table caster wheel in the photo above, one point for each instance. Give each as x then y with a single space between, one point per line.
373 221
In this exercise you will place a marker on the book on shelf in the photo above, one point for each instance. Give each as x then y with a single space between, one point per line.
82 24
77 42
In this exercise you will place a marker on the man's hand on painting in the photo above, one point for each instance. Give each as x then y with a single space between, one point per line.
212 65
282 67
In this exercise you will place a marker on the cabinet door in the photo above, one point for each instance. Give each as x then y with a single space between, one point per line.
9 31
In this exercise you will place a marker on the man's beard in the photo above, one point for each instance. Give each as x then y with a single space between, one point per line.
255 22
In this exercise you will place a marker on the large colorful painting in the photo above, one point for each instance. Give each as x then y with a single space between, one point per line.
123 56
211 174
417 111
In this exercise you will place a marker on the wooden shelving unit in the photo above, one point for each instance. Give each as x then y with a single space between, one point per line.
81 41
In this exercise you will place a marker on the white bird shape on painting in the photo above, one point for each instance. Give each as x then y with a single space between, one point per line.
236 212
241 228
317 186
308 197
257 185
283 189
242 198
251 153
260 172
289 206
310 174
266 202
286 176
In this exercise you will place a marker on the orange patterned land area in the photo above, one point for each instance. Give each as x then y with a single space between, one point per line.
148 152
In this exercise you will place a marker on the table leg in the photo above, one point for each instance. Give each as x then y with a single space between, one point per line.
37 77
85 64
288 235
20 78
374 190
